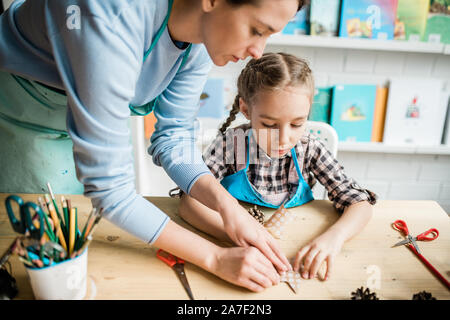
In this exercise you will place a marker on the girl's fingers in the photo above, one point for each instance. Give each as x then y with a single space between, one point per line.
309 258
299 258
316 264
330 262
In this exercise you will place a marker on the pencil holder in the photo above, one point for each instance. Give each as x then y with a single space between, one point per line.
62 281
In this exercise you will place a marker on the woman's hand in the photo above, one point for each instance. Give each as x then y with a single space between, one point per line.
324 248
245 231
246 267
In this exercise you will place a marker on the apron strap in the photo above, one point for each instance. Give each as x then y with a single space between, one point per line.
148 107
160 31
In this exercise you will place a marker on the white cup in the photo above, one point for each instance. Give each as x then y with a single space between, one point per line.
61 281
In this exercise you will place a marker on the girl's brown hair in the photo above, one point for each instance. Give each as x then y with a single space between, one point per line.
272 71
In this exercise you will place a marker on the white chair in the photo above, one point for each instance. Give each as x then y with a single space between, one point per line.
328 136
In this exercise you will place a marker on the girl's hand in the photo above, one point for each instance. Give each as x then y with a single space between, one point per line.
323 248
246 267
245 231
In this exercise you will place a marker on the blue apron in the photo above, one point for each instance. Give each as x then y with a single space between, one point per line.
240 187
35 147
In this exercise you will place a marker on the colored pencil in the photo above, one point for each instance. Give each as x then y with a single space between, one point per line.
58 226
71 230
66 212
54 203
49 229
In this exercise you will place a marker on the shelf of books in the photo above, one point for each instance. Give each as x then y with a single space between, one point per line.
390 25
358 44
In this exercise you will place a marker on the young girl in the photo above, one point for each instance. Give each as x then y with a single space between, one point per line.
272 161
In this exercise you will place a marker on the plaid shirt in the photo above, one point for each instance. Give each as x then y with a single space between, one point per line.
272 177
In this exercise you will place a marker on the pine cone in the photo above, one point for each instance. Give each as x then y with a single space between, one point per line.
257 214
362 294
423 295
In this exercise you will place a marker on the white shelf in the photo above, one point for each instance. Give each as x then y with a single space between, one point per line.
359 44
447 49
378 147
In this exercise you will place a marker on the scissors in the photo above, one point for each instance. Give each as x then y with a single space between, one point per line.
428 235
24 224
176 264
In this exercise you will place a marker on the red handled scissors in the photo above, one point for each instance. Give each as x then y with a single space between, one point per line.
428 235
176 264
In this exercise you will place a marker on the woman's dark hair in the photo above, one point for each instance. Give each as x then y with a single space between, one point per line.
301 3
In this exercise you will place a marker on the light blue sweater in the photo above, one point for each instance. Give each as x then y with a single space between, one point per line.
100 66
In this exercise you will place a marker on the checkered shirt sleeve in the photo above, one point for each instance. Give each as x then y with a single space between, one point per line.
342 190
219 157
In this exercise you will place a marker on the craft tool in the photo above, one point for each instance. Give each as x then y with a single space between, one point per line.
49 222
55 205
401 226
90 219
28 263
89 235
177 265
39 246
71 230
58 222
24 225
411 243
65 212
58 231
8 252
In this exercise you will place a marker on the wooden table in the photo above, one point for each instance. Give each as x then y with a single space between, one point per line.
121 266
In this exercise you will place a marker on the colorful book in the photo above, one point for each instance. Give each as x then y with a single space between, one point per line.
411 20
324 17
438 23
212 99
379 114
352 111
372 19
149 125
321 107
415 113
299 24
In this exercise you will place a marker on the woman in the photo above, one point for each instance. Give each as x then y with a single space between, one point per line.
102 59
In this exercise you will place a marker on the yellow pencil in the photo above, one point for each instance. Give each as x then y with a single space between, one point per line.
55 219
71 230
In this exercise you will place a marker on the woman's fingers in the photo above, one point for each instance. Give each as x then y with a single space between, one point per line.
276 249
265 267
258 272
251 285
270 254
